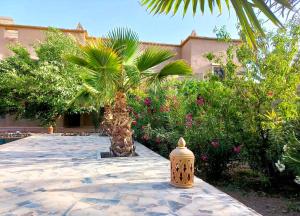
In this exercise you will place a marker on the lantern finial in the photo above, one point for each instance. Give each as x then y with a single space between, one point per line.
181 142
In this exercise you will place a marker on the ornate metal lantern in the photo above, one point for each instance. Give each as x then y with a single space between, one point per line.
182 166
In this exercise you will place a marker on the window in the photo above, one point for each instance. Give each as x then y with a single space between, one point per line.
11 34
218 71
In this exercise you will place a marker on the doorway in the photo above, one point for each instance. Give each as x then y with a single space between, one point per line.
71 120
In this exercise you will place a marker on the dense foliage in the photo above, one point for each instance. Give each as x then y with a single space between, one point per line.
204 113
246 116
39 88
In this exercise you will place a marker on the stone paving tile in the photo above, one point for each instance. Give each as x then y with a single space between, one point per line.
60 175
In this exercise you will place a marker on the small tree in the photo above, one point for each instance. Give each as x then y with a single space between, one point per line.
12 72
266 92
115 65
40 89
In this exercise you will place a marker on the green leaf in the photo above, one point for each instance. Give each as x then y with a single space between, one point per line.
123 41
152 57
179 67
202 5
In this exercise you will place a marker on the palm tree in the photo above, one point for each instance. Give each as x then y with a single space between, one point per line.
244 9
116 65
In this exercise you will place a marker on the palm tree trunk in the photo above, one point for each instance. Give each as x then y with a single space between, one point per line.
107 120
121 142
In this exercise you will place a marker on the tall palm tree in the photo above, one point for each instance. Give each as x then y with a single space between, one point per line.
114 66
244 9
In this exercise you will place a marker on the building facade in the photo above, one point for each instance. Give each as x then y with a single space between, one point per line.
193 50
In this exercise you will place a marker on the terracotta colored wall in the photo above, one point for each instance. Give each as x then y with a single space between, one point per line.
28 37
3 44
195 50
11 121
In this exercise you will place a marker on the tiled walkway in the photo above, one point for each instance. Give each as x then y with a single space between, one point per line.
56 175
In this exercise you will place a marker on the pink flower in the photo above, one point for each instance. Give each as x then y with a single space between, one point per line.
157 140
129 109
189 117
164 109
143 127
189 120
270 94
215 143
134 122
237 149
146 137
204 157
200 101
147 101
189 124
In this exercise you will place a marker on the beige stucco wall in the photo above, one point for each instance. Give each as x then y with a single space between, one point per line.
12 121
195 49
3 45
28 37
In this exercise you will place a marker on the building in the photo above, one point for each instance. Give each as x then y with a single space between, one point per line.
193 50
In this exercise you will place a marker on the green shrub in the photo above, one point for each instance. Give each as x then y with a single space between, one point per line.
204 113
245 116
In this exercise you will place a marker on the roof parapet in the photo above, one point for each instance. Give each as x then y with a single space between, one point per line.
6 20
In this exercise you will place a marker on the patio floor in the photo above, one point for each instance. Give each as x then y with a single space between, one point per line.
60 175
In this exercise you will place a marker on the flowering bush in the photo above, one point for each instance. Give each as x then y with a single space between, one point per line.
265 94
237 117
290 160
202 112
213 125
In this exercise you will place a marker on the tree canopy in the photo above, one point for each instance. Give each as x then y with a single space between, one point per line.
40 88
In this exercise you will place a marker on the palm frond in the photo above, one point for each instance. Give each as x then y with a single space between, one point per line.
94 43
101 62
87 96
244 10
152 57
133 77
123 41
77 60
179 68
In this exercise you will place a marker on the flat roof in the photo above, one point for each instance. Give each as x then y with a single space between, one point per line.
41 28
12 26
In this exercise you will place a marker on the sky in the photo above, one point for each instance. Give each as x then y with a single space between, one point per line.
100 16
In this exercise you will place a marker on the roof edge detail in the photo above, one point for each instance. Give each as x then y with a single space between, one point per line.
41 28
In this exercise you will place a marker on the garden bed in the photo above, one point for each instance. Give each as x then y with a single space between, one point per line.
267 197
265 204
